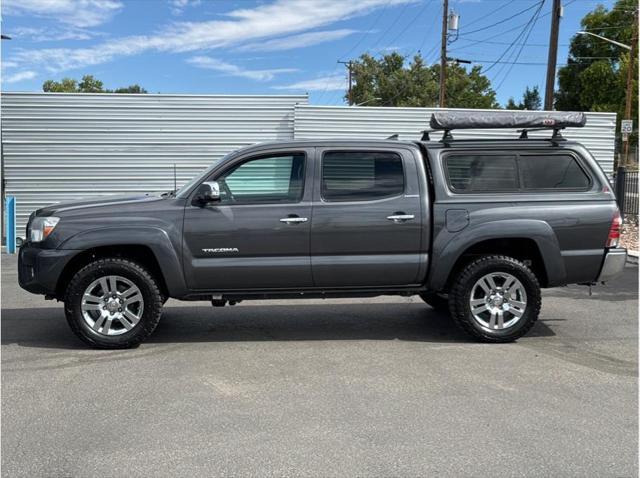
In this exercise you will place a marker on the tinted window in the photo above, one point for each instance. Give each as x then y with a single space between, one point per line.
556 171
361 176
278 178
478 173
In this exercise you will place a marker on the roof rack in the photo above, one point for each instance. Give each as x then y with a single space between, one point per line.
448 121
556 136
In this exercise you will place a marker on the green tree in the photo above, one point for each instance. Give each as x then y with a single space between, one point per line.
388 81
512 105
66 85
130 89
88 84
595 77
530 100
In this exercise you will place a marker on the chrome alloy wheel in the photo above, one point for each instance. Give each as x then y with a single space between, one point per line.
112 305
498 300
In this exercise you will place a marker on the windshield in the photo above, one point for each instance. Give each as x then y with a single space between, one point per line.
185 188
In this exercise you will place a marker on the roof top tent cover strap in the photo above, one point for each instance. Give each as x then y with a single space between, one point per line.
486 120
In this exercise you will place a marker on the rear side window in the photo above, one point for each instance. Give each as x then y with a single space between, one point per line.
361 175
556 171
482 173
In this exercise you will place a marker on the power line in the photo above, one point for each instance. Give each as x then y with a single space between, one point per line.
521 48
503 20
364 35
411 22
503 43
534 16
490 13
393 24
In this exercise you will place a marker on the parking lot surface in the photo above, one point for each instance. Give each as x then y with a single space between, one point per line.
381 387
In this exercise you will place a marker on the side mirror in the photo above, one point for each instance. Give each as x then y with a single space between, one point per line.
208 192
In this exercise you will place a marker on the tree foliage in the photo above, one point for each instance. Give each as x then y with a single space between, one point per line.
595 76
531 100
388 81
88 84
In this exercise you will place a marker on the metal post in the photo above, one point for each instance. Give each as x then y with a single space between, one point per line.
620 189
556 12
10 209
349 65
629 93
443 55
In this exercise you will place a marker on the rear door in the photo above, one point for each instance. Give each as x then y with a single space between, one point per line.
367 218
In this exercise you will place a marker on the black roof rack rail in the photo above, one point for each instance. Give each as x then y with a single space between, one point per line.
394 137
556 136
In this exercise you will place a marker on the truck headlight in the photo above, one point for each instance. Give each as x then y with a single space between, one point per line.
41 227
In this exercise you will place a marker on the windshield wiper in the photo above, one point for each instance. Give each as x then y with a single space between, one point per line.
169 194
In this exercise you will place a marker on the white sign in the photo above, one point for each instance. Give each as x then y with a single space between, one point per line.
626 126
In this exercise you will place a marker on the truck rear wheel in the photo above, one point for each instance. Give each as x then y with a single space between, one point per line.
113 303
495 299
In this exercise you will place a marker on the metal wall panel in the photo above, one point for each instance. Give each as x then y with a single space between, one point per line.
380 122
59 147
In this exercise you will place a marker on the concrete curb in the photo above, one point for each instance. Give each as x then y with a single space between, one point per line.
632 257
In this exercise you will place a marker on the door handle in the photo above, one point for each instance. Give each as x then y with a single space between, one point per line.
401 217
293 220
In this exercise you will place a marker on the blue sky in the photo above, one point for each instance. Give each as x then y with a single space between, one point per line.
266 46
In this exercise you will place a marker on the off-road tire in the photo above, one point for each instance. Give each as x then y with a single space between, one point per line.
461 289
145 281
435 301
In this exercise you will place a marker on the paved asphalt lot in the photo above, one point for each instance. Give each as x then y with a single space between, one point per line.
386 387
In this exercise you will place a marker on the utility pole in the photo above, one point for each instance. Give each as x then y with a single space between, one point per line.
631 69
349 65
443 55
556 13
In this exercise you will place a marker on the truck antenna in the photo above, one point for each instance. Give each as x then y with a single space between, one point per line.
175 180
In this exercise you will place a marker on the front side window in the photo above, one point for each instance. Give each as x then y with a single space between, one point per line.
269 179
361 175
482 173
557 171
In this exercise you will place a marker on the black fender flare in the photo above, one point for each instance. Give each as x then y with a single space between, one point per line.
538 231
155 238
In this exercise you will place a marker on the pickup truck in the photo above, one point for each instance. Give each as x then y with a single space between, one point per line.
475 227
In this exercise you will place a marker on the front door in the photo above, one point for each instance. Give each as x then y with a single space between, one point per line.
257 235
367 220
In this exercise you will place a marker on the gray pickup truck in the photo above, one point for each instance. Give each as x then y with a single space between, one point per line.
474 226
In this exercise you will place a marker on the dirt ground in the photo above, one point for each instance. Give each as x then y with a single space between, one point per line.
629 238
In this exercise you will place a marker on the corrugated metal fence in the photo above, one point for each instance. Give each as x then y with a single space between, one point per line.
60 147
378 122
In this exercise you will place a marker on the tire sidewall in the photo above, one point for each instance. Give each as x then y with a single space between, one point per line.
530 284
96 270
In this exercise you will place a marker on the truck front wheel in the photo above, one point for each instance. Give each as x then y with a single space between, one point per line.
495 299
113 303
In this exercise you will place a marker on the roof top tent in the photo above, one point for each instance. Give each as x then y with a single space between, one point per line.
448 121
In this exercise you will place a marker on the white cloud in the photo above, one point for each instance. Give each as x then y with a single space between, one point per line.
9 64
178 6
297 41
20 76
264 22
79 13
234 70
327 83
51 34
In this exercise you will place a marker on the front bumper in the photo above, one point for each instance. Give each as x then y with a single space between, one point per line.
40 269
613 265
